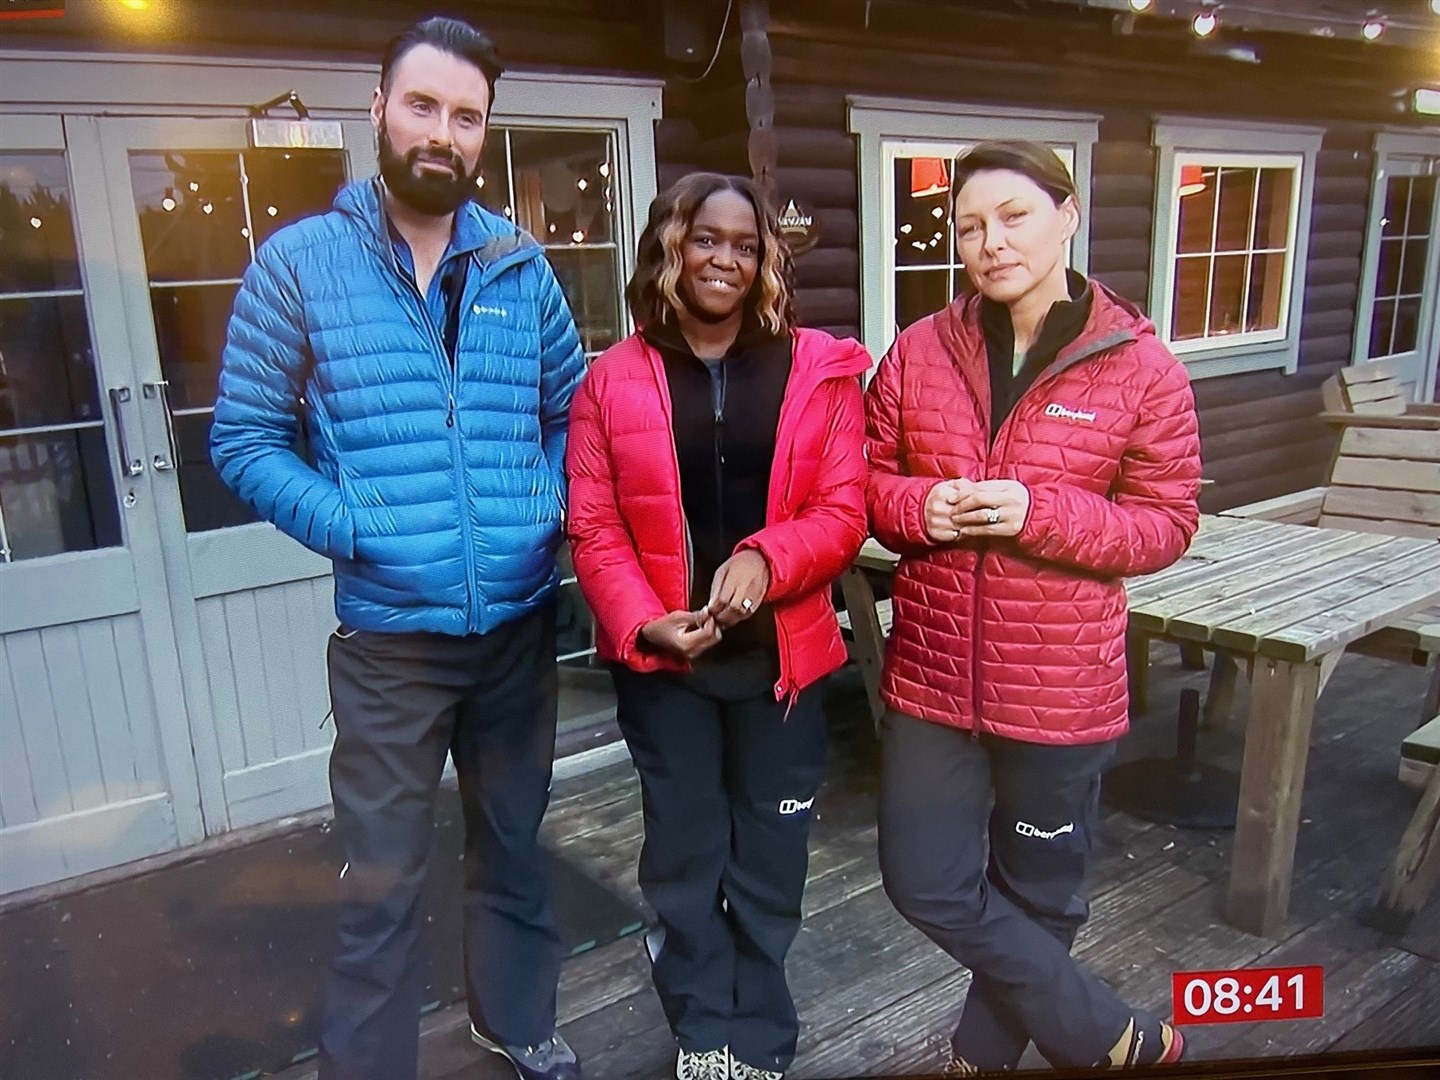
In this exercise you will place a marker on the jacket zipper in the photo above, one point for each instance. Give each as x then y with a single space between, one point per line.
457 450
718 389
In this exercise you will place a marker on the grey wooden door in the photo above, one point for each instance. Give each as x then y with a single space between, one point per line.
190 202
95 762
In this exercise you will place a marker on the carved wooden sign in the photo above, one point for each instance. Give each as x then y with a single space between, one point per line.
797 226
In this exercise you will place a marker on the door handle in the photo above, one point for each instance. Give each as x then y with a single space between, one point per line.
129 465
160 390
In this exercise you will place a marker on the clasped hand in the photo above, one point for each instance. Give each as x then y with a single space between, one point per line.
961 509
737 590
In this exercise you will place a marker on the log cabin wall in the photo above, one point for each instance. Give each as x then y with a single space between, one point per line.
1261 437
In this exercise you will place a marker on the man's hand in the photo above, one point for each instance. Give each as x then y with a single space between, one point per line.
992 508
686 634
739 587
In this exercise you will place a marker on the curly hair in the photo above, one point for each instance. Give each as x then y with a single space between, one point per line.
653 291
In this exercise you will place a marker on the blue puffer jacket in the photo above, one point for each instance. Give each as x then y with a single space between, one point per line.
437 491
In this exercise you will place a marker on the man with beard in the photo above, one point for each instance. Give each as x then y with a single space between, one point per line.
427 348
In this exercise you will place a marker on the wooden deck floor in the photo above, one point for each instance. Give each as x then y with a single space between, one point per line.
876 998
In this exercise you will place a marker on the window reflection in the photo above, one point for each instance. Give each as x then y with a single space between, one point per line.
56 490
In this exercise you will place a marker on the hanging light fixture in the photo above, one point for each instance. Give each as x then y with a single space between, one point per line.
1205 23
1141 5
928 176
1192 180
1374 27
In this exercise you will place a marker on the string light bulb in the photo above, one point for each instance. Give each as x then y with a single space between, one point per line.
1141 5
1205 23
1373 28
1435 6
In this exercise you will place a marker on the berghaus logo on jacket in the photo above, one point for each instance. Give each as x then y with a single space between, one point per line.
1064 412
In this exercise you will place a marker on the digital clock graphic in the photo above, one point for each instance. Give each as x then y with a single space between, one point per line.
1248 995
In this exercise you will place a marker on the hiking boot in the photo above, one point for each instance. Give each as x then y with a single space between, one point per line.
740 1071
550 1060
1145 1042
710 1065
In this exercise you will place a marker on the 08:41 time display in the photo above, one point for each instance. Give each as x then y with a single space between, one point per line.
1248 994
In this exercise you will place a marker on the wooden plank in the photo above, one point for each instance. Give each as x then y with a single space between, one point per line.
1416 867
1417 506
1407 529
1408 1020
876 556
100 670
1416 588
1389 406
1379 390
869 639
1371 372
1272 778
1406 422
17 797
1386 473
1242 623
1192 612
1232 543
1297 507
75 718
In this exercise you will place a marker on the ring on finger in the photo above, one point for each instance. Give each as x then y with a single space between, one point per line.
747 603
992 516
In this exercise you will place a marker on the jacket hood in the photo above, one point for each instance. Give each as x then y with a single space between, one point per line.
1113 321
822 356
489 236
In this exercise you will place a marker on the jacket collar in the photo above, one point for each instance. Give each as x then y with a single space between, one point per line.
494 241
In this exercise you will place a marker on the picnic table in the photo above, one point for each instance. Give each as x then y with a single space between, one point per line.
1286 601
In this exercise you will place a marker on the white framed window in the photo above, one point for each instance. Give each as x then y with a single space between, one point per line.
909 266
1232 231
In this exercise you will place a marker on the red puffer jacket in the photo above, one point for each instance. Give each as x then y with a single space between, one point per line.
1025 637
627 526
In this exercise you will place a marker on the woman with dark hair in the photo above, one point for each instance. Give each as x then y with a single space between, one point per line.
717 489
1030 447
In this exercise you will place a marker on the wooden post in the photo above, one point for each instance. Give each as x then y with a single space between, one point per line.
1192 656
1137 668
869 638
1272 780
1416 868
756 62
1220 697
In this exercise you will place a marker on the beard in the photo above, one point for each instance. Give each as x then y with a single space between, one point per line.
432 193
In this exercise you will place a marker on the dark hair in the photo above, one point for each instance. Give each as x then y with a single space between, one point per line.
1034 160
652 292
453 36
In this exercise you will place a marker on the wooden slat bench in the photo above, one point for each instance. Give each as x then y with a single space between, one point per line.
1373 394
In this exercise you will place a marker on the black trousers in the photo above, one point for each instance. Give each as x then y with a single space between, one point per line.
402 702
728 786
983 847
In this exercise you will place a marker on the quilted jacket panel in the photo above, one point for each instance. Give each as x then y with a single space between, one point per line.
1025 637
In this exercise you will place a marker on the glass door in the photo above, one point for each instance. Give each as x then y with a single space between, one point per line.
191 202
95 765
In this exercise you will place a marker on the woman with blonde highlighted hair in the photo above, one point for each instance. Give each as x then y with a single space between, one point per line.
717 490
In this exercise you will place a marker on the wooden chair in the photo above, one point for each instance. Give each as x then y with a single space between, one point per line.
1373 394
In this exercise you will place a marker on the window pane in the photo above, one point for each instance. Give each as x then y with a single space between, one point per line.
922 225
1397 196
1382 325
1272 209
1188 319
1412 276
493 186
56 494
1197 213
1227 295
563 185
190 323
37 233
592 288
919 293
192 217
286 185
1267 292
1387 277
1237 196
47 373
1407 325
1422 205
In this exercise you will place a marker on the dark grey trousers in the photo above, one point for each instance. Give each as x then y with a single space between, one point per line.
402 703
